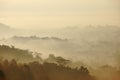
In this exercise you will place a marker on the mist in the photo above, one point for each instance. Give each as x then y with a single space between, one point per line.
86 43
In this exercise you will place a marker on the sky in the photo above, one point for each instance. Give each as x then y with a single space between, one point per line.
59 13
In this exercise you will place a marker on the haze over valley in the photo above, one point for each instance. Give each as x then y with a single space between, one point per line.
59 39
86 43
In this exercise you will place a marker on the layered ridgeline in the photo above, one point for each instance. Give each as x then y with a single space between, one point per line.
25 56
97 47
18 64
84 43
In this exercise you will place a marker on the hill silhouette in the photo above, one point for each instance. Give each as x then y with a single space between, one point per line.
4 27
18 64
23 56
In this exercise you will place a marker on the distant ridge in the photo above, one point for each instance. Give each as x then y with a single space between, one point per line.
38 38
4 26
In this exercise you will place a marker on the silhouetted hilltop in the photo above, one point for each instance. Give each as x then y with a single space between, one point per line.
10 52
18 64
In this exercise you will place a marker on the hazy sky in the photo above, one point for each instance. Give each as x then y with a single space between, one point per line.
59 13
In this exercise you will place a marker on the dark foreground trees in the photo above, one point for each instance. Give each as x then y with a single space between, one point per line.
18 64
45 71
2 75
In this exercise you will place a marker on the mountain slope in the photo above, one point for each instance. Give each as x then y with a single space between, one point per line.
24 56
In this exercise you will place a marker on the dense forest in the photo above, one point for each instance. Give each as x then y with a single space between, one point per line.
46 71
11 69
19 64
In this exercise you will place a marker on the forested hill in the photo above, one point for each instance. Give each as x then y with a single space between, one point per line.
18 64
10 52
